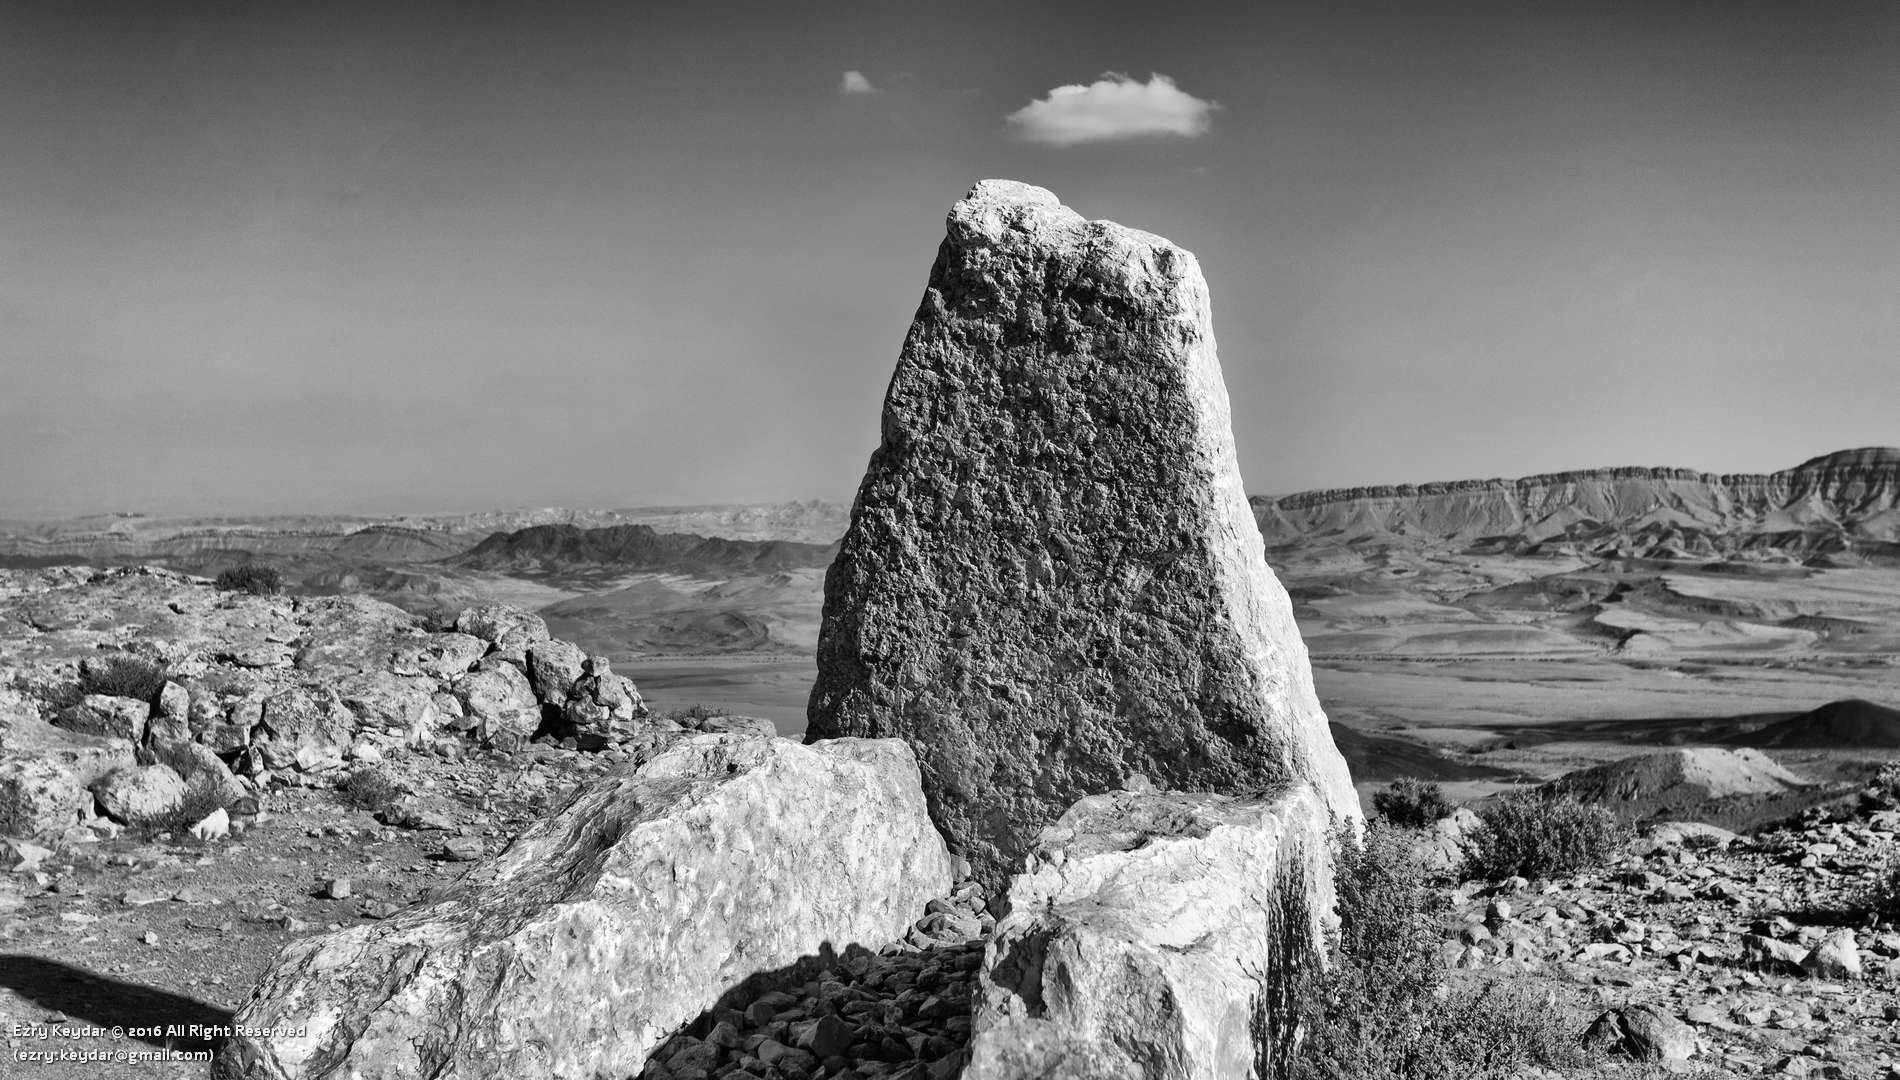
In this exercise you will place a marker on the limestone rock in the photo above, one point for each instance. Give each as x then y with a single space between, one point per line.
391 702
1443 846
1836 957
602 929
112 717
1052 578
553 666
1150 927
45 771
500 699
1642 1032
305 729
442 656
201 768
507 627
141 793
39 798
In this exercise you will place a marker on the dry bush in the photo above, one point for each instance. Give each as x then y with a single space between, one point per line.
1412 803
121 675
1529 835
370 789
1384 1009
696 712
1881 897
201 800
253 578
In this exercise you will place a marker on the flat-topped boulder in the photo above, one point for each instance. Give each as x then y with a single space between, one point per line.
1053 583
605 927
1154 936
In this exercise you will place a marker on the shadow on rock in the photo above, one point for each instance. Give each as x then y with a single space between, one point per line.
95 999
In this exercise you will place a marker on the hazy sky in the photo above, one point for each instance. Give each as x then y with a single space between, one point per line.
407 256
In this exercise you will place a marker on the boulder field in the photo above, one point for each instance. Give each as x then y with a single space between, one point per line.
259 689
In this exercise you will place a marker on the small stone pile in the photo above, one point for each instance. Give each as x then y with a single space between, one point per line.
902 1013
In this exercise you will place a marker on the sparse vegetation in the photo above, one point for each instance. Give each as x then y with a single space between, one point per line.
200 801
1535 836
1883 791
369 789
1412 803
1881 897
696 712
1701 842
1385 1010
254 578
121 675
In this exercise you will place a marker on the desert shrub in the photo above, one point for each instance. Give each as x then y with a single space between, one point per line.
1880 898
1412 803
121 675
1701 842
1537 836
369 789
1883 791
253 578
696 712
1384 1010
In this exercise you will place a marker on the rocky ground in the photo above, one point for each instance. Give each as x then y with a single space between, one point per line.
1750 948
122 944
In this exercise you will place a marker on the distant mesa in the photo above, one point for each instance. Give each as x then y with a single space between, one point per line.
1839 509
1839 725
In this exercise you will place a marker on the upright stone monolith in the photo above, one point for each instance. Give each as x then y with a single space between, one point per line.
1053 585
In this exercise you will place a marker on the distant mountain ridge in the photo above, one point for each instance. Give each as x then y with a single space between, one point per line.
1842 508
638 548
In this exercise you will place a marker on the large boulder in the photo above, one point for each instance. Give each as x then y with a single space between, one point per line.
304 728
140 794
441 656
1052 581
1154 936
605 927
46 771
509 628
501 700
553 668
108 716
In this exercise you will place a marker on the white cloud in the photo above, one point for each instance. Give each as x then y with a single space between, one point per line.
854 82
1113 107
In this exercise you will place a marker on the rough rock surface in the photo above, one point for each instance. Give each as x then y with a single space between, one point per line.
1149 932
142 793
282 690
602 929
1053 581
